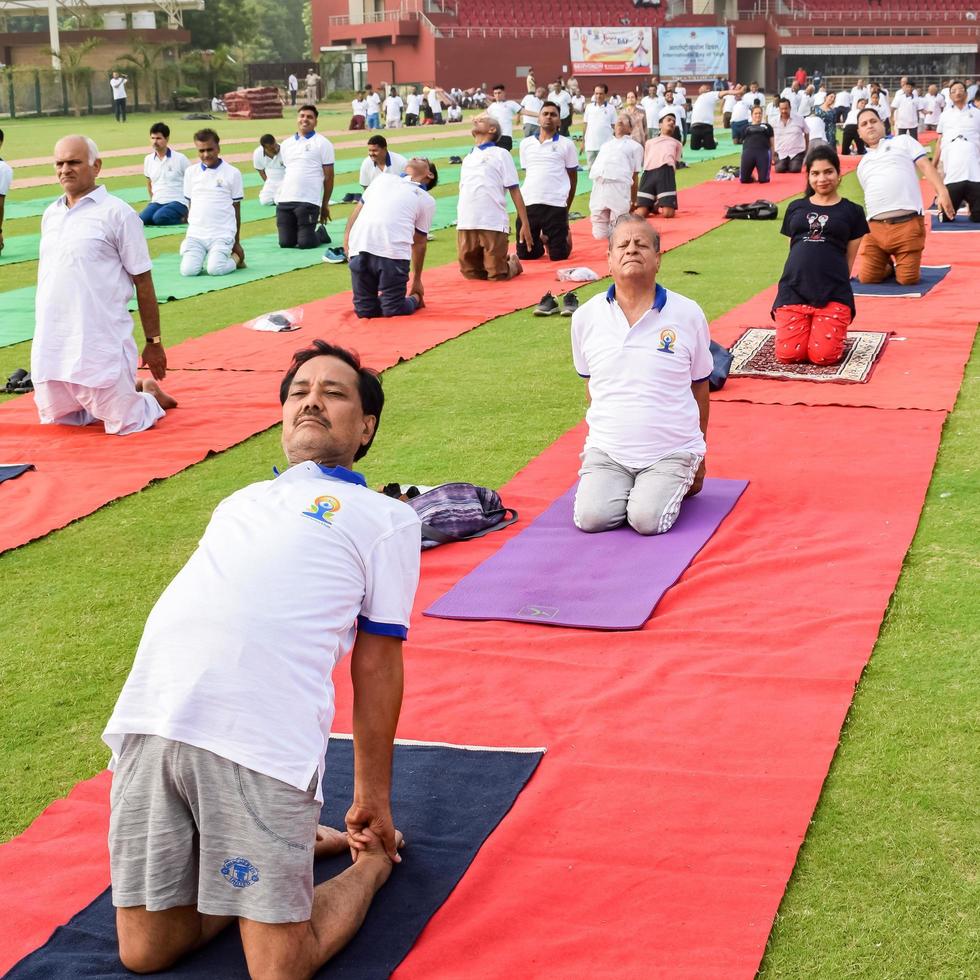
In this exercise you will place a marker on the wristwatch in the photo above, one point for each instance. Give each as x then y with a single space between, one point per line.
155 340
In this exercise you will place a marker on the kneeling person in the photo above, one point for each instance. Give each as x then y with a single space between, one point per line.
658 186
644 352
615 173
267 161
386 237
214 189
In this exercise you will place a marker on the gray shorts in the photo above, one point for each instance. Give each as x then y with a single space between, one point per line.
189 827
650 499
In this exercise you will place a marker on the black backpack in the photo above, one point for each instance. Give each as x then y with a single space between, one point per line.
758 211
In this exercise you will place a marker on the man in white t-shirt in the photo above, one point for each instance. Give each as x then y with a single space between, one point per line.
219 734
413 102
893 202
842 105
292 85
615 177
393 109
793 93
372 102
386 238
958 151
563 99
358 112
486 176
932 108
164 169
503 110
703 116
267 161
860 91
754 96
93 253
644 353
905 111
6 179
676 107
530 107
118 85
434 99
215 191
550 164
304 195
599 118
740 120
651 104
380 160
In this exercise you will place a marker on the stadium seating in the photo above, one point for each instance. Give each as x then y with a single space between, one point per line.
554 13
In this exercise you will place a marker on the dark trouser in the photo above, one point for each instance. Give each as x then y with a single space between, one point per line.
379 286
506 143
549 228
790 165
437 118
757 160
292 96
703 137
411 118
173 213
969 191
119 107
842 111
563 126
912 131
738 130
296 224
850 136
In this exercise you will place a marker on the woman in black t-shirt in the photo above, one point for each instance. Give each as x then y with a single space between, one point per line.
758 146
815 303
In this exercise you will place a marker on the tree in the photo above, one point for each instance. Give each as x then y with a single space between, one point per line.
72 70
222 23
146 59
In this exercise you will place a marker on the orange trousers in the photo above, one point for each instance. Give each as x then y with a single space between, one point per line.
810 333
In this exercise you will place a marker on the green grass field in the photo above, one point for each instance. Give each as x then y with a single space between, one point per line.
886 885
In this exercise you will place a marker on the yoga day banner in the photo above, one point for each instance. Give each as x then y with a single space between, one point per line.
693 52
611 50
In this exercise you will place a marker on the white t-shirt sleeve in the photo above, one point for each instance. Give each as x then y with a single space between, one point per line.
522 154
326 153
259 158
6 176
188 182
636 151
571 155
391 578
509 171
364 178
131 242
237 185
426 212
702 363
578 355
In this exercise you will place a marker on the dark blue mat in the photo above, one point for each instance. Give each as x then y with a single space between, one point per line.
962 222
929 276
446 801
13 470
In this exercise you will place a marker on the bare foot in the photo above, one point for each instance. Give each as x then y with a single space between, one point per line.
330 842
164 400
374 858
514 266
238 254
419 302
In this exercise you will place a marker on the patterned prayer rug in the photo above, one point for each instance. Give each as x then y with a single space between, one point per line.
754 356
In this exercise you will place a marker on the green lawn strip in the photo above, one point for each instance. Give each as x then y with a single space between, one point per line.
886 885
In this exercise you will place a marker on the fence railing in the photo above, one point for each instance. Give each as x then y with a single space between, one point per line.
843 30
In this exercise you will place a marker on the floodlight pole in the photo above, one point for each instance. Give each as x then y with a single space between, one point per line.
53 31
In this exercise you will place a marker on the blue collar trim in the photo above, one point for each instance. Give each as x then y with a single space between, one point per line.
306 136
659 297
484 146
336 472
387 159
204 166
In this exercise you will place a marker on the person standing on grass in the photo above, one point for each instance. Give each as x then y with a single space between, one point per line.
292 84
486 176
118 86
164 170
267 161
905 111
599 118
312 86
393 109
644 354
304 197
386 239
888 176
530 107
550 164
219 733
814 302
93 253
6 179
358 110
413 103
372 103
214 188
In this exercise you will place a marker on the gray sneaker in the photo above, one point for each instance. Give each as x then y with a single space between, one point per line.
547 307
569 304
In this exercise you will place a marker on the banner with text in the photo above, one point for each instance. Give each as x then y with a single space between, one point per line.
693 52
610 50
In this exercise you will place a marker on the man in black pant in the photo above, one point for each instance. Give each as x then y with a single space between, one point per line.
550 164
303 199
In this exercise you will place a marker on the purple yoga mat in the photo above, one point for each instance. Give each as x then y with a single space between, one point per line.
555 574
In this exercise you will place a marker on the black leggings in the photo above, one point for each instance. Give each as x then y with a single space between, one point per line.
703 137
969 191
296 223
754 159
850 137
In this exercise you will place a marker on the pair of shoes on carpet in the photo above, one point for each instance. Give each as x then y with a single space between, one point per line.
455 159
549 305
335 256
19 383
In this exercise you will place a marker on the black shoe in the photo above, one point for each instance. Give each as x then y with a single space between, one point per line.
547 307
569 304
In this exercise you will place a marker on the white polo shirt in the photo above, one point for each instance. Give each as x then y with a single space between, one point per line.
273 167
790 137
651 106
546 167
530 107
487 173
640 376
906 111
740 111
435 104
860 93
89 255
394 163
212 192
960 132
504 113
118 88
564 102
599 121
754 98
6 177
816 128
394 209
373 103
413 103
304 158
843 98
393 108
619 159
932 107
237 654
703 110
166 176
888 176
358 107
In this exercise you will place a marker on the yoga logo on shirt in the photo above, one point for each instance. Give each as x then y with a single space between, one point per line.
668 339
323 509
239 872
